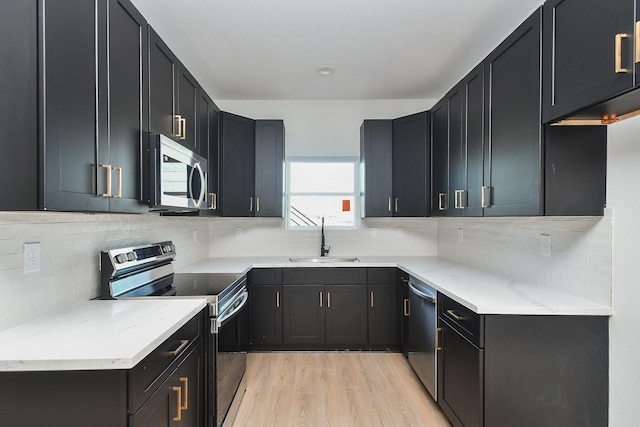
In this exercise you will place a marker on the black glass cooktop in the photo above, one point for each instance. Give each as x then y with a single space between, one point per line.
194 284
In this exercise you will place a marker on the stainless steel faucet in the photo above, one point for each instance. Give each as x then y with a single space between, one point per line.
324 250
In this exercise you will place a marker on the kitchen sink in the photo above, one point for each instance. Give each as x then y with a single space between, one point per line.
325 259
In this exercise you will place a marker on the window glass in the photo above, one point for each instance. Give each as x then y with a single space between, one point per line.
321 188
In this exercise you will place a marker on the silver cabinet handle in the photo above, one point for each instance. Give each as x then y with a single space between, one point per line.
108 168
396 204
257 204
486 201
442 201
619 68
328 299
277 299
389 204
320 299
177 126
371 299
455 316
119 169
183 125
250 204
405 307
213 201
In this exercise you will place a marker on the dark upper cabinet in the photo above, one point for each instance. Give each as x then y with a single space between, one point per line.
471 198
173 96
209 144
128 102
439 158
19 106
251 166
88 108
394 161
237 165
575 170
376 168
513 143
269 162
411 162
588 54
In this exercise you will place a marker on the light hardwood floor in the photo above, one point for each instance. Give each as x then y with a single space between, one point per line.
340 389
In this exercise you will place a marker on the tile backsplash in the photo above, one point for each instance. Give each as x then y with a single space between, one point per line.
579 263
71 243
269 237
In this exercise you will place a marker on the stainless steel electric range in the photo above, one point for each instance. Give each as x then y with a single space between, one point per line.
147 271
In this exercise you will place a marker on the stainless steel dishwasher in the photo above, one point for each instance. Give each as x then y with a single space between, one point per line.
422 353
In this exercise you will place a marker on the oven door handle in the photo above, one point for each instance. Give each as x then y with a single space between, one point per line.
244 296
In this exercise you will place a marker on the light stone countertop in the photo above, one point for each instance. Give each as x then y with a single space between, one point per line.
95 335
478 290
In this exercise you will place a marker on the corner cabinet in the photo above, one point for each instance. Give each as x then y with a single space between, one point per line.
166 388
507 370
394 166
251 166
87 154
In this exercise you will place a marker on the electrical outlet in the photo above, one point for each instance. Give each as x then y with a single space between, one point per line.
545 244
460 235
32 256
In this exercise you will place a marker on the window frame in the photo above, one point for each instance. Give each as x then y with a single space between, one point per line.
355 207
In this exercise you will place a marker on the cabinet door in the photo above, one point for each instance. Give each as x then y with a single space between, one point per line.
440 158
237 165
127 102
514 140
405 310
269 187
460 380
180 400
410 165
209 147
187 100
346 314
163 70
19 105
583 39
266 314
70 95
376 167
457 170
383 314
303 314
473 120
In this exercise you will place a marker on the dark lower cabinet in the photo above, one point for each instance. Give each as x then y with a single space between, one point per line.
304 315
266 314
530 371
164 389
404 306
323 308
346 315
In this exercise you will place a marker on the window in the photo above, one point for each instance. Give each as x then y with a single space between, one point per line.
318 188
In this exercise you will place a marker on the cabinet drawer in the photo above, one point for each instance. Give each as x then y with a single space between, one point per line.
266 276
324 276
381 275
147 375
468 323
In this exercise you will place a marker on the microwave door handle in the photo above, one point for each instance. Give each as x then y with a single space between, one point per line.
202 184
190 180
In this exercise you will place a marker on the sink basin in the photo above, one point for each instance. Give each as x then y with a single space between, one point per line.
325 259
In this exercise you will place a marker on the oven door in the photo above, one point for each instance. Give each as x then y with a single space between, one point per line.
230 359
180 176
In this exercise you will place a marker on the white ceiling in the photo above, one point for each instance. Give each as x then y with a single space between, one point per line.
380 49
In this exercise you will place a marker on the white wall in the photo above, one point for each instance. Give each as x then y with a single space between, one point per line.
71 243
624 326
324 128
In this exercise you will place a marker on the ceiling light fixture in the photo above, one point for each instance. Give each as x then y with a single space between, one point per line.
326 70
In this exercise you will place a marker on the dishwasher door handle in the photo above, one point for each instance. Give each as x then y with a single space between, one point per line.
422 294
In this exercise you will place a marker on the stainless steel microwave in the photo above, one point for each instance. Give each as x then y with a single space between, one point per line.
176 178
